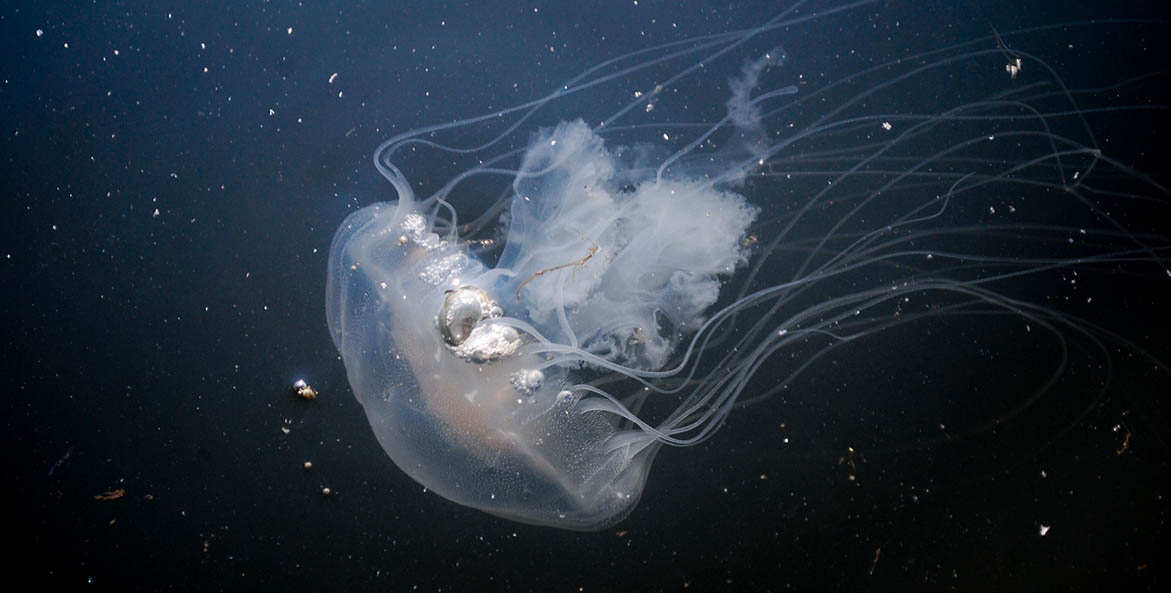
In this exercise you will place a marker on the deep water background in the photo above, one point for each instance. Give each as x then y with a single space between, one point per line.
171 178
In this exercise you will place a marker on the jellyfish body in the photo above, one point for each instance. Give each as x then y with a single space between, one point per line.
451 360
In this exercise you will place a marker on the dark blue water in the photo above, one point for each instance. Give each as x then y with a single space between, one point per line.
172 176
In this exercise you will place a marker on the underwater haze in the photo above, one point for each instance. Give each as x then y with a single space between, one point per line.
639 296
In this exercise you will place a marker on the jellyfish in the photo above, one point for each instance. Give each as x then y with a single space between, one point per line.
595 281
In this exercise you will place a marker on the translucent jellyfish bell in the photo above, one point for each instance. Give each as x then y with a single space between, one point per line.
402 304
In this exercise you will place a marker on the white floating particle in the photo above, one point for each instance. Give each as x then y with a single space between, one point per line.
1044 529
